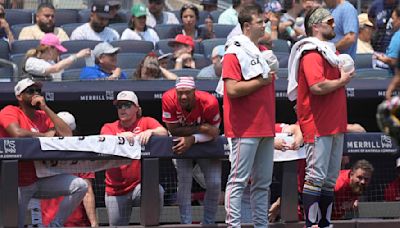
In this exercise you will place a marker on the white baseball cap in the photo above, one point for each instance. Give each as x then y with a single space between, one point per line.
398 163
25 83
127 96
104 48
68 119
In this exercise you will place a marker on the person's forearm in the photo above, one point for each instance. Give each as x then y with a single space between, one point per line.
160 131
168 74
10 35
345 42
388 60
90 205
61 127
326 86
236 89
61 65
393 85
184 131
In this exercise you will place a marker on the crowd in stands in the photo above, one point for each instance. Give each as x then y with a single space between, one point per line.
150 43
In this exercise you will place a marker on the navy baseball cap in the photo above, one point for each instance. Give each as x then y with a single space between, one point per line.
209 2
101 8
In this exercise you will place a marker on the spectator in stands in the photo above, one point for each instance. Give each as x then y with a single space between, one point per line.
390 56
214 70
193 116
85 214
379 14
350 185
123 187
209 5
114 7
366 29
137 26
346 26
288 30
43 61
183 52
392 190
230 15
150 69
96 28
5 31
105 67
395 81
33 118
45 23
190 15
157 14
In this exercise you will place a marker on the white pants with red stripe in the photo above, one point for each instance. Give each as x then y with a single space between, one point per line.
250 158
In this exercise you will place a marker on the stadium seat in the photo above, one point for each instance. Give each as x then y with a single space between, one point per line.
166 31
21 46
129 60
282 72
283 58
372 73
363 61
129 72
19 16
69 28
4 49
201 61
125 15
202 17
16 29
221 31
6 74
19 60
280 46
163 46
208 45
138 46
84 15
71 75
186 72
74 46
215 14
66 16
119 27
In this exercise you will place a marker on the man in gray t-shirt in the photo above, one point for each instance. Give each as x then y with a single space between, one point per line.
214 70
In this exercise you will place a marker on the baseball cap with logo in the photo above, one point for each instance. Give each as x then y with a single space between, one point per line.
24 84
182 39
68 119
52 40
104 48
209 2
363 20
274 7
127 96
218 51
139 10
101 8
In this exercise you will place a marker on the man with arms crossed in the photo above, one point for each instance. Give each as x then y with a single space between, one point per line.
249 118
193 116
322 116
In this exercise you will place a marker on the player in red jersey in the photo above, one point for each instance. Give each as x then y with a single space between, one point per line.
193 116
123 183
392 190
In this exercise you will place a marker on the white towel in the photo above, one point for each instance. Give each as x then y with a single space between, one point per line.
327 50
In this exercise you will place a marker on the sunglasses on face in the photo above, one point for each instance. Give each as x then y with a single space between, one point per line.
125 105
32 91
329 22
188 6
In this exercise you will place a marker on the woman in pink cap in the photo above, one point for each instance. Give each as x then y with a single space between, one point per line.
43 61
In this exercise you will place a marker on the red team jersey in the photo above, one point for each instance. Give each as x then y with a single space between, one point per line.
206 109
78 217
344 196
41 123
121 180
319 115
248 116
392 191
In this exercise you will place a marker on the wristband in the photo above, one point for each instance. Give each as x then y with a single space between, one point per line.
73 57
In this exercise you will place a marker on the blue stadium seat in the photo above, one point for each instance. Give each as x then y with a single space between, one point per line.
69 28
208 45
283 58
4 49
138 46
19 16
363 61
21 46
166 31
71 75
74 46
125 15
186 72
19 60
129 60
163 46
16 29
201 61
129 72
84 15
66 16
221 31
280 46
119 27
215 14
282 72
372 73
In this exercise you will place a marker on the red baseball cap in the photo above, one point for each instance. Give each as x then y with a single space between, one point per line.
182 39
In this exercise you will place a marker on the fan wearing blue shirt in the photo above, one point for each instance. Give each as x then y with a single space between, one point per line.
105 67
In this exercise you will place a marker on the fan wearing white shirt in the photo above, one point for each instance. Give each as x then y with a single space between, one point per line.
96 28
137 26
